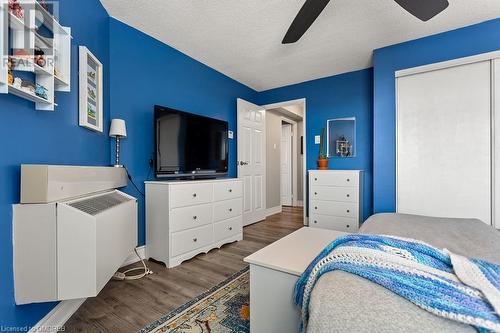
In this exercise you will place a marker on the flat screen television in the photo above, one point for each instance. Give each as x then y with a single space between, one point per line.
189 145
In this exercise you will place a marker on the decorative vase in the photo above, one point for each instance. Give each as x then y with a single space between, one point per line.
323 164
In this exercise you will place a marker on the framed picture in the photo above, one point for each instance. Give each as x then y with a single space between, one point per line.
90 91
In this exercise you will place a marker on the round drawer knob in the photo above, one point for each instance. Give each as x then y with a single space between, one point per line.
230 190
195 217
194 195
230 228
348 211
230 209
195 240
315 193
348 226
348 180
315 179
315 221
315 207
348 195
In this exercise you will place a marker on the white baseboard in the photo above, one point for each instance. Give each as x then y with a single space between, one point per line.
273 210
58 316
132 258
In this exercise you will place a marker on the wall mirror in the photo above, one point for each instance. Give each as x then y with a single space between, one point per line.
341 137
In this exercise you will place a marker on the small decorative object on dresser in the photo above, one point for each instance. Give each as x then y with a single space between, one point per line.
185 218
336 199
322 158
90 91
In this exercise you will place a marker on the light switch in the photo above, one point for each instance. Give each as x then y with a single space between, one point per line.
317 139
230 134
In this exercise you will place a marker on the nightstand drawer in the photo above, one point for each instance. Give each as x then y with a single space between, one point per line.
326 193
343 209
337 178
190 217
228 190
190 194
189 240
345 224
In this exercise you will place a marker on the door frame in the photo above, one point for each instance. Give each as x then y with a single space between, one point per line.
294 156
301 101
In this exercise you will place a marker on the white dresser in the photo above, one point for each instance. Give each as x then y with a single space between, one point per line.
335 199
185 218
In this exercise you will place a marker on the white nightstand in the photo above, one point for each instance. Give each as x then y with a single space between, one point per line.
274 270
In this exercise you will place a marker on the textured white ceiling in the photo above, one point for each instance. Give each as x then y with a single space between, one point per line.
242 38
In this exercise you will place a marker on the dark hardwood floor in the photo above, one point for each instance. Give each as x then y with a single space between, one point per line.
127 306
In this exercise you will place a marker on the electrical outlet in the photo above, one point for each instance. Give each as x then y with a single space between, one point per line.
317 139
230 134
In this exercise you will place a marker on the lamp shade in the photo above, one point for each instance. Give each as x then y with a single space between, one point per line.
118 128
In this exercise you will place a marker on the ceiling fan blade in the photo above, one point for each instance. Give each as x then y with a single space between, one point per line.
424 9
304 19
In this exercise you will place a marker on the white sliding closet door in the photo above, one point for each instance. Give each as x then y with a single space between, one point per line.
444 142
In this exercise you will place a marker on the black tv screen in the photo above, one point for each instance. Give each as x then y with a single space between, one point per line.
189 145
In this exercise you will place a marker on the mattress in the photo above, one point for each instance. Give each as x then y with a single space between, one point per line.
345 302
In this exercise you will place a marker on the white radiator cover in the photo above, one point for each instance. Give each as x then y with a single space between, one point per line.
67 250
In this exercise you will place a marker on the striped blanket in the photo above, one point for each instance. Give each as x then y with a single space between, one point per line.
443 283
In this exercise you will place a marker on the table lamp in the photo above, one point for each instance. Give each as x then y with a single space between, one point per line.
118 130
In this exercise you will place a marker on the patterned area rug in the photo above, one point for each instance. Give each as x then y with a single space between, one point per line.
223 309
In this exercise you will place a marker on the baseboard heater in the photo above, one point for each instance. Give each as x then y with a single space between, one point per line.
70 248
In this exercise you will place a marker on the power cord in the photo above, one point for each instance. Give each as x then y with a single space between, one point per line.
122 276
133 183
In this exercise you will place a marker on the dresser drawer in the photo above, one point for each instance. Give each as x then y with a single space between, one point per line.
189 240
224 210
190 217
344 209
190 194
326 193
334 178
228 190
334 223
228 228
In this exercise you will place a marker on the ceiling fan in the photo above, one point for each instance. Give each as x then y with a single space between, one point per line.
422 9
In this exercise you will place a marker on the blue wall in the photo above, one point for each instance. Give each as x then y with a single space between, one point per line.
471 40
339 96
145 72
30 136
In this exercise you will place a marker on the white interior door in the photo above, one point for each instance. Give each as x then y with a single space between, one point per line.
251 137
444 142
286 164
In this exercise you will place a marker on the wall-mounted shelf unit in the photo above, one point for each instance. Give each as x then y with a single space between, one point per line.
20 37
